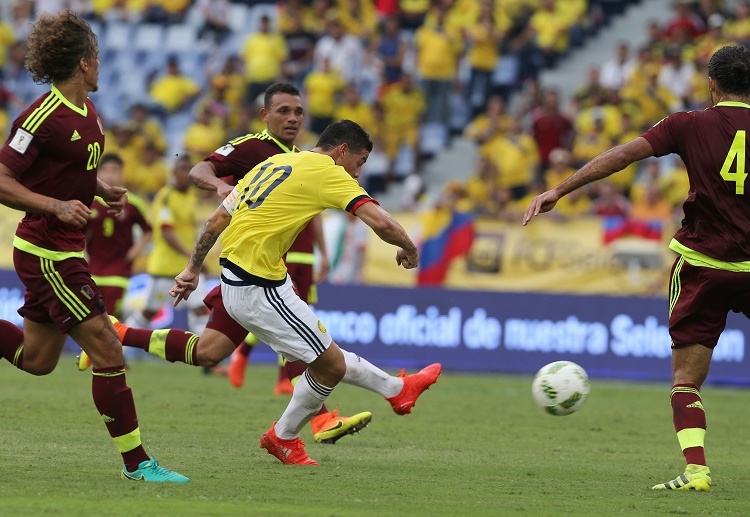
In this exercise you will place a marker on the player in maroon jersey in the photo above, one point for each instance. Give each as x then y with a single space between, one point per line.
110 239
283 114
48 169
711 276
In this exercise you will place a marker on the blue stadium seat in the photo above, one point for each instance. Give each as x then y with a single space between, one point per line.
180 38
117 36
238 18
148 38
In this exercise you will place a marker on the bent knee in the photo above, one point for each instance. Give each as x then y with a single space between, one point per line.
39 370
208 359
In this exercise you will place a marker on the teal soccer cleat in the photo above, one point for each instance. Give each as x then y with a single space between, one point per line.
150 470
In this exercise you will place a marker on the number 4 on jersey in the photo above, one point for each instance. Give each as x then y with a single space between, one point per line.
736 152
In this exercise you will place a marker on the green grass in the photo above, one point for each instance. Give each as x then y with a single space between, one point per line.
475 445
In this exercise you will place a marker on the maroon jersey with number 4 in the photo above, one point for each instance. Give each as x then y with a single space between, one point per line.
111 236
54 149
713 143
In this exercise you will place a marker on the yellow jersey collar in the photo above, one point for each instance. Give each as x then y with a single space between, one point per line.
81 111
283 147
734 104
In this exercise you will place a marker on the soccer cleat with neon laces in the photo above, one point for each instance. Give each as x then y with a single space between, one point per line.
330 427
696 477
414 386
237 367
150 471
289 452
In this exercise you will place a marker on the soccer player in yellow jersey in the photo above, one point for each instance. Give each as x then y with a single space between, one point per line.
173 221
262 217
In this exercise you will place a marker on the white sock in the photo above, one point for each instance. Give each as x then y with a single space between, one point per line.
307 399
137 320
360 372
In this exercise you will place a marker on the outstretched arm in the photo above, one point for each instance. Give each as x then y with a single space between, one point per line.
187 281
390 231
203 176
607 163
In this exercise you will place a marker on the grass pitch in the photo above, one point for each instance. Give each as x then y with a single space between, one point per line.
474 445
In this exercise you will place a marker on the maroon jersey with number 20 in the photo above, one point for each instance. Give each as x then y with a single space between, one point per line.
54 149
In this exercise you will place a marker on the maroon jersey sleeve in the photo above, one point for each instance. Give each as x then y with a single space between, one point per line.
239 156
22 148
713 143
665 136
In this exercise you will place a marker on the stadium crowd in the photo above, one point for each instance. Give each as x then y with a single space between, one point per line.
183 76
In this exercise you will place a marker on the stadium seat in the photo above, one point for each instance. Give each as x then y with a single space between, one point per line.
432 138
117 36
148 38
180 38
238 15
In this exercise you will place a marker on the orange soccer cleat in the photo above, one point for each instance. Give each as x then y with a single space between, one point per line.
414 386
289 452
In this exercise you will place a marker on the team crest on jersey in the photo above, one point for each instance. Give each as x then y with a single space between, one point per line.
87 292
224 150
321 327
21 141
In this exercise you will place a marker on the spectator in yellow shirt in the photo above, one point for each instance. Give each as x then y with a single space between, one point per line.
590 143
7 38
487 127
264 53
203 136
403 104
517 157
173 91
358 17
437 63
483 41
552 31
353 108
146 129
321 88
148 174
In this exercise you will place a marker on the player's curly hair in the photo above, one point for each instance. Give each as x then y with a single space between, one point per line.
730 67
345 131
57 42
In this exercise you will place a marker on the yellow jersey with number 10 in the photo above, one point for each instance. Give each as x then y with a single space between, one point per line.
275 200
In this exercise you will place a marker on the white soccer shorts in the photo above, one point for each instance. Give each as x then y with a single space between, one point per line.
278 317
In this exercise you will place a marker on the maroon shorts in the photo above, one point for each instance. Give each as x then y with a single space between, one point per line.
700 299
302 278
59 292
112 297
219 320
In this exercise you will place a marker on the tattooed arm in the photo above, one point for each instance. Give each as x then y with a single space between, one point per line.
187 281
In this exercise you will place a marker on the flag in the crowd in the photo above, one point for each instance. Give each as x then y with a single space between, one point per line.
446 235
618 227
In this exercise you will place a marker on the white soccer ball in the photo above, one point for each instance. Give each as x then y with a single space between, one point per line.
561 388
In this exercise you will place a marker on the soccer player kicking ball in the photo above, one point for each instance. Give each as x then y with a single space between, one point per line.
283 114
262 216
711 276
48 168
